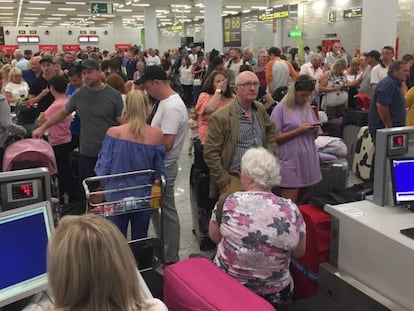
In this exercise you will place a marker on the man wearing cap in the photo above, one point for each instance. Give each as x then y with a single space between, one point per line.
99 105
372 59
171 117
380 71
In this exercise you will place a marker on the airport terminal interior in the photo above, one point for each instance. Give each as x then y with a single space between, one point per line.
341 78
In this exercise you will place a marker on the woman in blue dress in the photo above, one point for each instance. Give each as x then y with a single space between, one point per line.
132 147
296 130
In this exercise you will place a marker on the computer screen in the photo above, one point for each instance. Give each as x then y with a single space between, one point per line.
24 234
402 172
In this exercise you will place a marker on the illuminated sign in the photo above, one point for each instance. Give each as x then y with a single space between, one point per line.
295 33
351 13
232 30
267 15
332 17
177 28
281 12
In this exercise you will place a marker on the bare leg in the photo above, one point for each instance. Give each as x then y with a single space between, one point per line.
290 193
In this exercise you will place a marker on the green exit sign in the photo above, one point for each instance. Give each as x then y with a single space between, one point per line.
295 33
102 8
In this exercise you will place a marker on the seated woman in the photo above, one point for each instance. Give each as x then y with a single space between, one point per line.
257 232
99 273
215 93
131 147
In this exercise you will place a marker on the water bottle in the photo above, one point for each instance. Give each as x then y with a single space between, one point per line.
156 194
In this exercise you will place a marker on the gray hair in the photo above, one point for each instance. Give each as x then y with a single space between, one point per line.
262 166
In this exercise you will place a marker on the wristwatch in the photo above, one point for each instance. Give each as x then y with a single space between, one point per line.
219 91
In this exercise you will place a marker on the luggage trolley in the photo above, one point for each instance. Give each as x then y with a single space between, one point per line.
149 251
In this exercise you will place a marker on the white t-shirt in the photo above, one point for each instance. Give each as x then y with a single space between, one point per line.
186 77
20 90
172 117
153 60
378 73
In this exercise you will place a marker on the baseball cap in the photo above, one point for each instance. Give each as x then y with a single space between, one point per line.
48 59
217 61
89 64
373 53
152 73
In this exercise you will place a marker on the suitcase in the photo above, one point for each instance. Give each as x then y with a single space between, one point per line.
197 284
336 127
350 138
318 224
334 176
357 117
364 154
201 206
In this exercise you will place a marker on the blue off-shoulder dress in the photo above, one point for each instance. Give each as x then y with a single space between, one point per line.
122 156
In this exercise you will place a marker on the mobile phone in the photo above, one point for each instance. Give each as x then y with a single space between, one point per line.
408 232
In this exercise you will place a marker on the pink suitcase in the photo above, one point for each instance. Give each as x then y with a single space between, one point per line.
196 284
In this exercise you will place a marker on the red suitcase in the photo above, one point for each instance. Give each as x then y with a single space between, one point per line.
318 224
197 284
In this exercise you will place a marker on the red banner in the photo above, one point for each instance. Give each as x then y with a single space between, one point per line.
48 48
9 49
122 47
71 47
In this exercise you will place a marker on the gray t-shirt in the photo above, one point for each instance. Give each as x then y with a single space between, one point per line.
97 110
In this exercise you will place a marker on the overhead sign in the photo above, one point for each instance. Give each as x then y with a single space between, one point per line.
232 30
122 47
351 13
9 49
295 33
267 15
332 17
274 13
48 48
70 47
177 28
281 12
101 8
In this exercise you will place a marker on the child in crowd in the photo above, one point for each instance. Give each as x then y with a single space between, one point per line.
192 130
60 138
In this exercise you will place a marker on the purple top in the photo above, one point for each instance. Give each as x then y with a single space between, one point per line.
299 160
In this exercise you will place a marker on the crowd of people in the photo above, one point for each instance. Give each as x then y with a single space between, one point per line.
127 111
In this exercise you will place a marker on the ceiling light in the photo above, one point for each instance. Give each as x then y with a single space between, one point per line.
6 1
128 3
54 18
141 4
66 9
30 14
233 6
246 11
76 3
76 18
34 8
6 8
6 14
124 10
39 2
29 17
200 5
83 15
58 14
259 7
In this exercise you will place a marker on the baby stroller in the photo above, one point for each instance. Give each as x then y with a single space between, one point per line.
32 153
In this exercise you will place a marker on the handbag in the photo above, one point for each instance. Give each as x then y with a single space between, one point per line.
333 99
197 82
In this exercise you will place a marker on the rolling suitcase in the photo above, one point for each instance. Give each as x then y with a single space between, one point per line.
334 176
364 154
318 224
201 204
197 284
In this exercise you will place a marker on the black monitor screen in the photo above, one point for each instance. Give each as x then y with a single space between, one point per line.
24 234
402 172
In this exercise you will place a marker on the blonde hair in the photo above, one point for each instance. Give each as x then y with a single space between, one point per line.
91 268
290 98
14 72
6 70
136 111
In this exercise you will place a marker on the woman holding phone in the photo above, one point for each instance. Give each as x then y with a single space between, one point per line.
215 93
296 129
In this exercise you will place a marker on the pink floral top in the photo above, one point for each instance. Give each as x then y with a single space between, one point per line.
258 229
203 117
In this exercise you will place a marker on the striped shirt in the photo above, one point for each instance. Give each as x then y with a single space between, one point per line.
250 136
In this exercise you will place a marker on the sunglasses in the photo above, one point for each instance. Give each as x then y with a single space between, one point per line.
305 85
